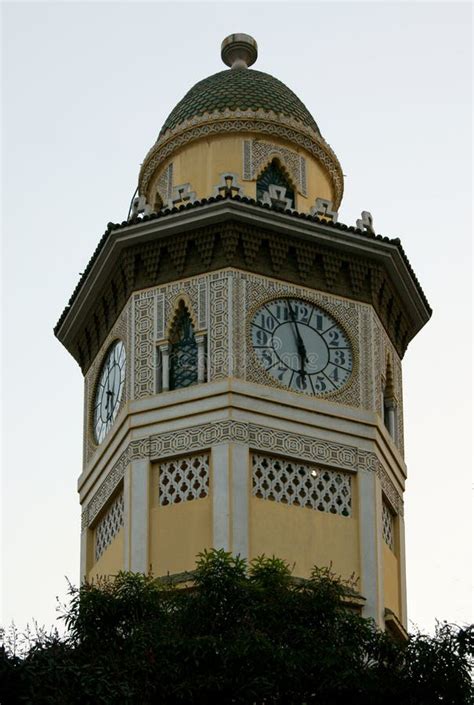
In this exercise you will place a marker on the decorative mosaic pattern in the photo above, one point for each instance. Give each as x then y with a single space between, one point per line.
259 154
249 121
388 528
259 438
367 360
164 184
183 480
144 367
120 330
109 526
303 485
187 288
153 309
160 316
202 305
247 160
219 347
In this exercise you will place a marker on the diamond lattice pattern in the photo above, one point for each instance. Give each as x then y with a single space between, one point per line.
303 485
184 479
109 526
387 526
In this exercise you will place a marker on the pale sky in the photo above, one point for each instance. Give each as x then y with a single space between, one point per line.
86 88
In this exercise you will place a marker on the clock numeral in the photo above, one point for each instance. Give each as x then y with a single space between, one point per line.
267 321
267 358
334 338
301 381
339 357
320 384
319 322
301 311
282 313
261 336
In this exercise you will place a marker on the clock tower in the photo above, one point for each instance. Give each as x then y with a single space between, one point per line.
241 351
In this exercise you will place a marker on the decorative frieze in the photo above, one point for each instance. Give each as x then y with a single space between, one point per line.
247 121
195 439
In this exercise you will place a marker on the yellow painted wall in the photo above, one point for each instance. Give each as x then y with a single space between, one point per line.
304 536
178 533
111 561
391 580
201 162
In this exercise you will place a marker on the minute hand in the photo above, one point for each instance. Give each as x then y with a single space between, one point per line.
299 340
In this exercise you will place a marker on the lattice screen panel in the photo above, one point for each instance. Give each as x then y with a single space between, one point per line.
388 526
184 479
303 485
109 526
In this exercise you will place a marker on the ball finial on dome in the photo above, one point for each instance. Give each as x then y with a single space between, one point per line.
239 51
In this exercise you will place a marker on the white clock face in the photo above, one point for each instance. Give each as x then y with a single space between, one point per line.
109 390
301 346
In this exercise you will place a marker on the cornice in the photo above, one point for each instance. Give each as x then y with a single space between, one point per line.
260 121
231 233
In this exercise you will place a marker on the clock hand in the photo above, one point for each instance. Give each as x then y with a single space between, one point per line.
299 342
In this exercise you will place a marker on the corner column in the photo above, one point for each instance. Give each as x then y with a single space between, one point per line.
220 496
136 519
240 458
400 523
230 498
370 545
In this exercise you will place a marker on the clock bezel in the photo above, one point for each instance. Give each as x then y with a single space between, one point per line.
101 365
273 381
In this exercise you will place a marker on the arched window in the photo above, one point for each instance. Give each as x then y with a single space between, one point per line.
389 404
183 360
274 175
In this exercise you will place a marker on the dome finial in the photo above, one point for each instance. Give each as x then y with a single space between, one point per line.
239 51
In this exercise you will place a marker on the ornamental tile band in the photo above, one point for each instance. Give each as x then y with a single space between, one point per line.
259 438
243 121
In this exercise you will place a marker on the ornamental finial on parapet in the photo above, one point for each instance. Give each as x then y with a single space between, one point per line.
239 51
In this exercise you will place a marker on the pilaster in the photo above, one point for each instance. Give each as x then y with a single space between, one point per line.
370 533
220 496
240 457
139 515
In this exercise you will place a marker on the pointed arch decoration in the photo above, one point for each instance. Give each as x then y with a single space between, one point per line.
183 351
389 409
275 175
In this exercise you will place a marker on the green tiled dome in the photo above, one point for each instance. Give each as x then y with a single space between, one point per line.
243 89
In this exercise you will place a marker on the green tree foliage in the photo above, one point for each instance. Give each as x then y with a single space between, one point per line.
243 634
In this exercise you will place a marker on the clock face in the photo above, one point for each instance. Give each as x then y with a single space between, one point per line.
109 390
301 346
